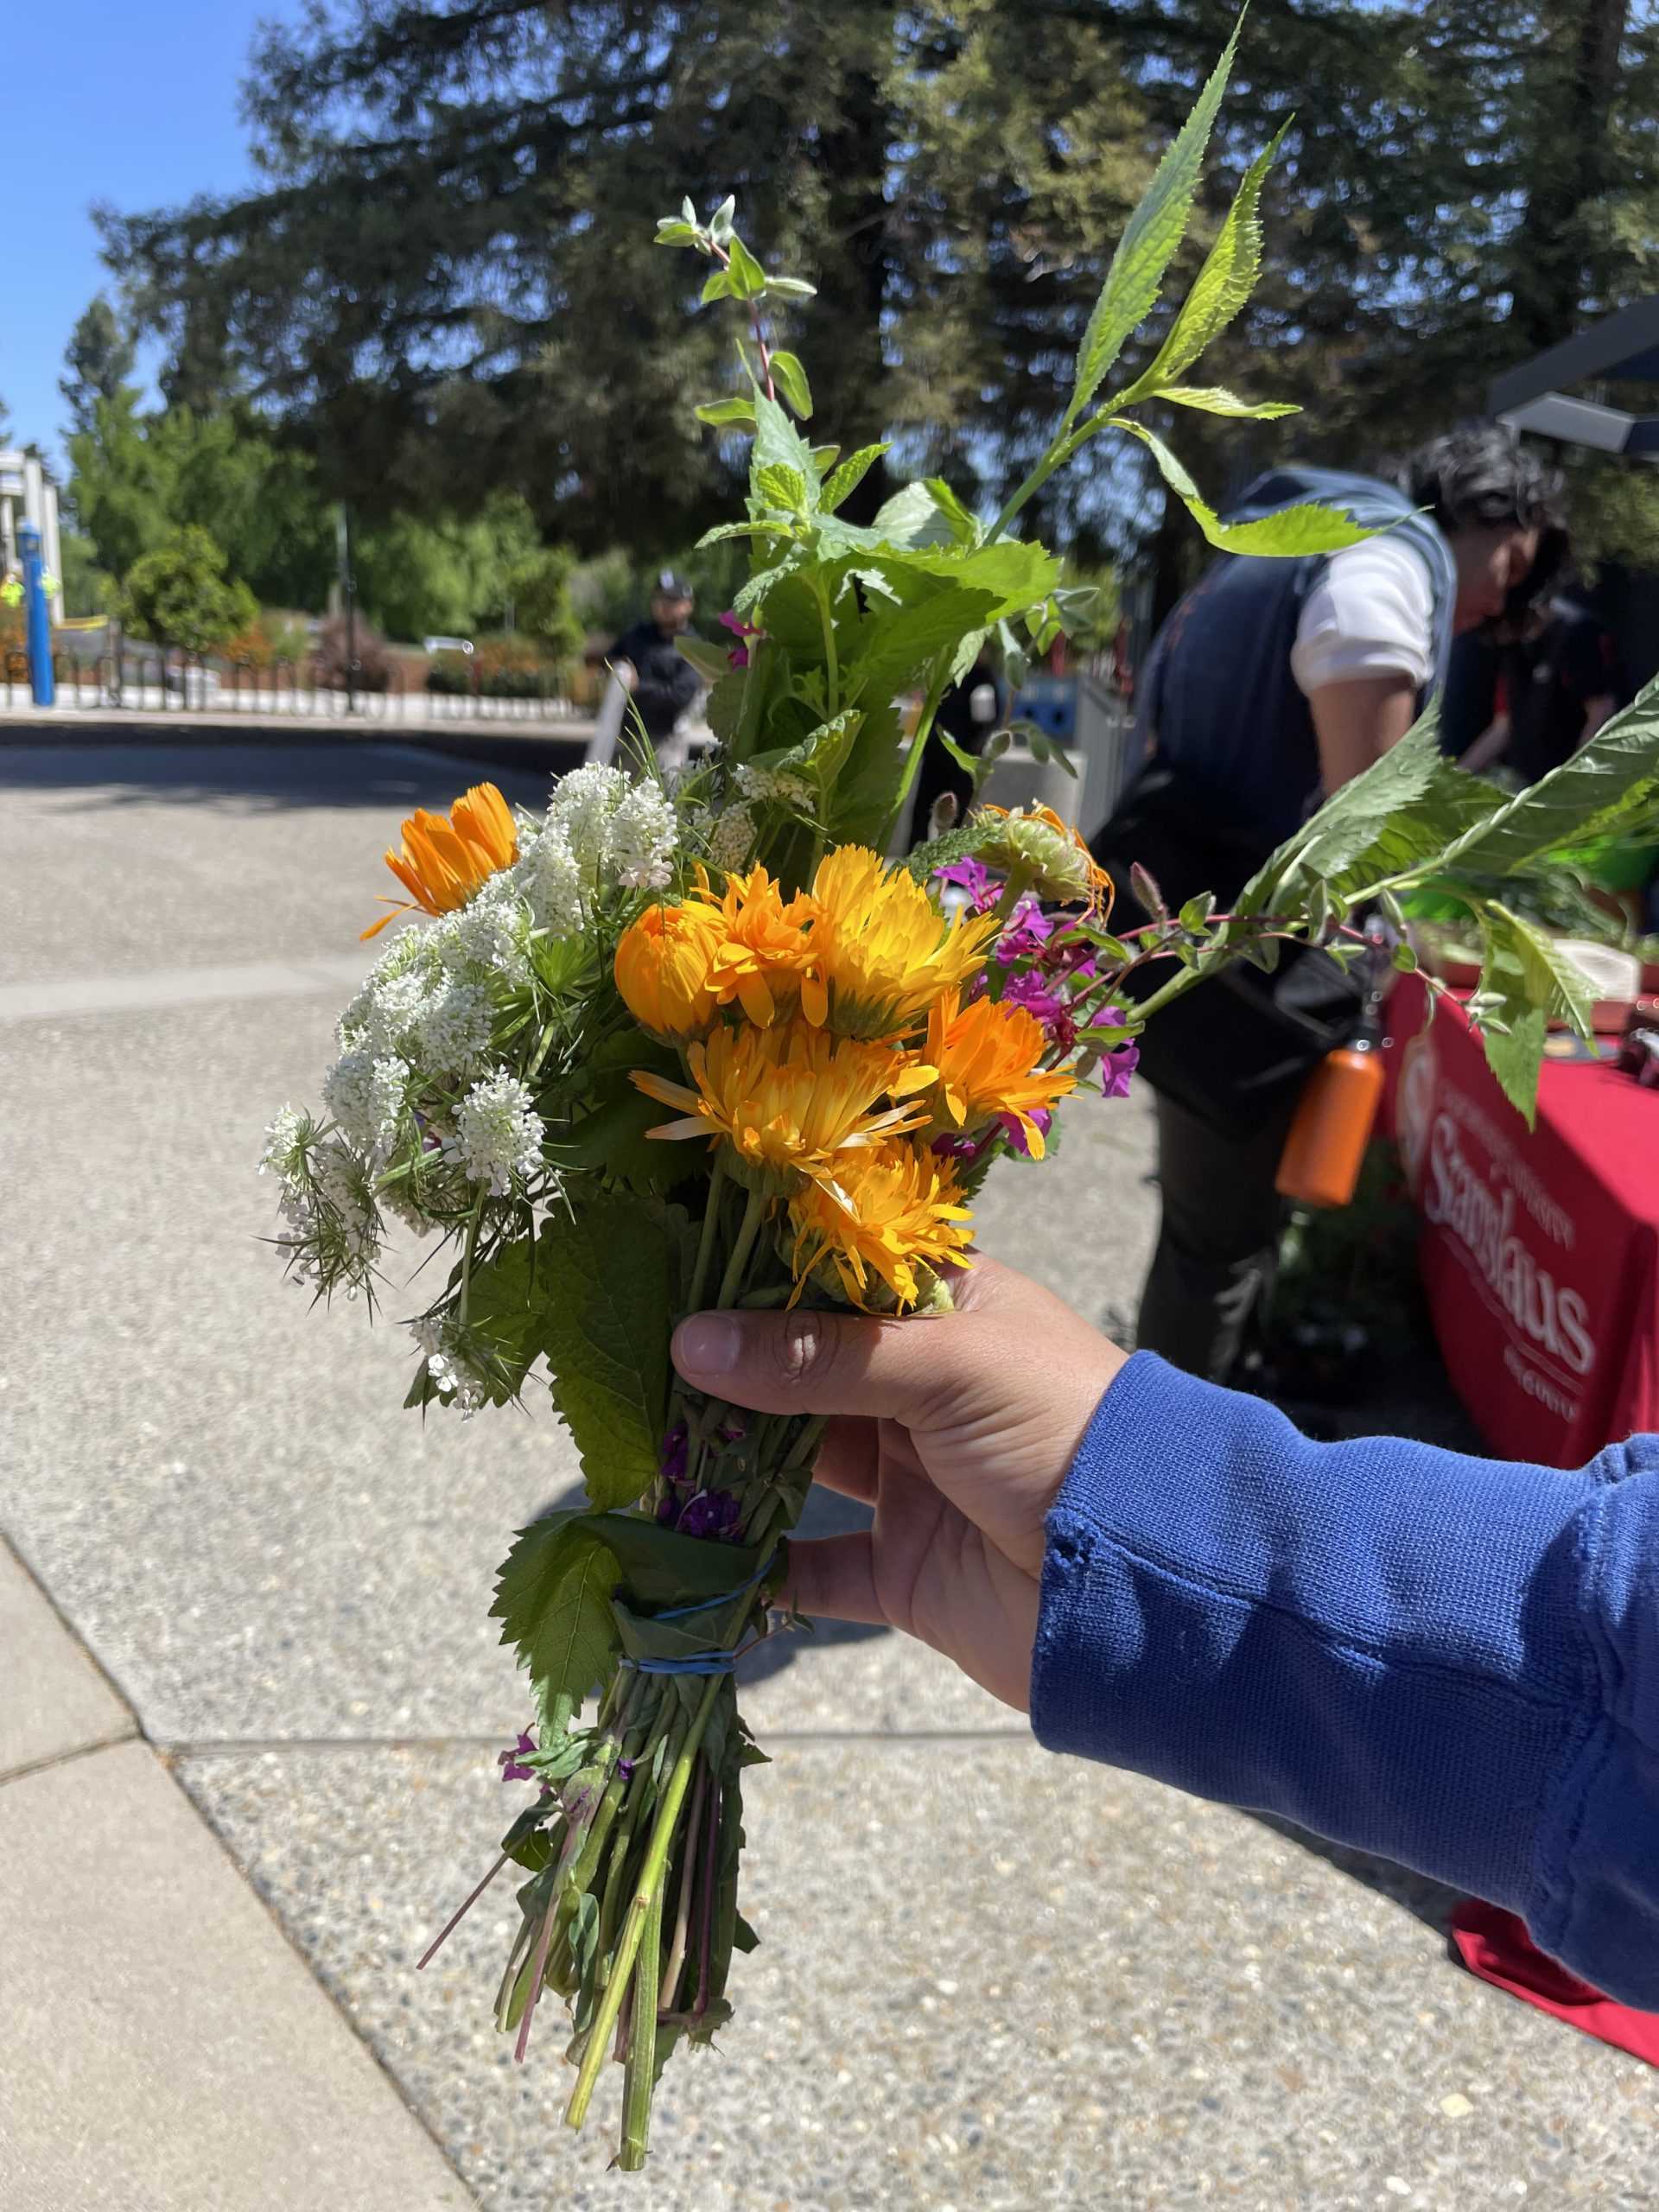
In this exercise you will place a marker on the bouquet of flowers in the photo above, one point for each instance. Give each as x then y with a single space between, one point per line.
653 1049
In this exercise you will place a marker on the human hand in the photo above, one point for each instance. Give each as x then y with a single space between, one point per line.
959 1430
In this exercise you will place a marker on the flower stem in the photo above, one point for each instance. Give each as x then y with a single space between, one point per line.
649 1889
754 1213
705 1242
640 2076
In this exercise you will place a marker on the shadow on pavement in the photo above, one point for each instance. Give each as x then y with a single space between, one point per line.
1428 1900
349 773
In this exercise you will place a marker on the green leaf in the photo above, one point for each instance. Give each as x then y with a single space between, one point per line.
1286 535
912 517
717 286
723 709
748 278
781 485
850 475
1515 1054
613 1139
719 413
771 528
1213 400
553 1599
965 528
1344 833
1148 244
777 444
670 231
1552 980
791 287
1219 290
709 661
611 1267
720 223
907 642
1610 784
506 1309
790 378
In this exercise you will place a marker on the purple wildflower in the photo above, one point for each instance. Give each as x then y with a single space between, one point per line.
512 1762
712 1514
967 1149
732 620
676 1453
1028 931
1016 1134
975 878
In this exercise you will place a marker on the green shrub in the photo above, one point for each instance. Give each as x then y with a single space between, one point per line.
180 595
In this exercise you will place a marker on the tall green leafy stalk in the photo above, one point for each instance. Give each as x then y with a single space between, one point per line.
629 1909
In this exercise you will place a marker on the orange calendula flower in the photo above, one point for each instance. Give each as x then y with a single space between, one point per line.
763 948
442 863
664 971
882 952
987 1058
790 1100
894 1207
1054 860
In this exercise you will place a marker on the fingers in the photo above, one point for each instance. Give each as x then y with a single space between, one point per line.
848 1460
811 1363
834 1578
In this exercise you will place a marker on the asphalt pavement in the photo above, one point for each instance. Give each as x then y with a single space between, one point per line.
249 1699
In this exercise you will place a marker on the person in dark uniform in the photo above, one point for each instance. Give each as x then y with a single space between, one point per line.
662 681
1563 686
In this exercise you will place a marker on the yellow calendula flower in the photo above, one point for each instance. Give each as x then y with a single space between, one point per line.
882 952
790 1100
441 863
1053 860
664 971
764 946
986 1057
894 1207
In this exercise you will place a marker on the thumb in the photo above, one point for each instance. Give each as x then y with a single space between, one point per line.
812 1363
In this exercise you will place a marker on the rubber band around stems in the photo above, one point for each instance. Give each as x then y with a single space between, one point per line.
701 1663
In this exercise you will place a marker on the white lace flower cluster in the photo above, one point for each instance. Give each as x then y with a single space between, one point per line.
497 1135
456 1383
331 1225
602 833
773 786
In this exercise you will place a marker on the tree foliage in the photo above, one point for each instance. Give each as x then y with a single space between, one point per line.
441 284
99 358
179 594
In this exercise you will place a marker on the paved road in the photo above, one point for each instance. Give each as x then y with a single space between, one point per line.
987 1979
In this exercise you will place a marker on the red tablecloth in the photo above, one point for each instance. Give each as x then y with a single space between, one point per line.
1540 1250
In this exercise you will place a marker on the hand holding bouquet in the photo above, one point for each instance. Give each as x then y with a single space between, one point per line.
655 1050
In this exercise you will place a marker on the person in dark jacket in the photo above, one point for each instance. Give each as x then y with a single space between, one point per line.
663 682
1274 682
1450 1661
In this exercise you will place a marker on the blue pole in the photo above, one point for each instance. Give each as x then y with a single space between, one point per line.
37 616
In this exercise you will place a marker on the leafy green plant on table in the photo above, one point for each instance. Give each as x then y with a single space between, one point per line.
583 1253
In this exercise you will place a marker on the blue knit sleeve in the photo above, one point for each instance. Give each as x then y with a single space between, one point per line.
1454 1661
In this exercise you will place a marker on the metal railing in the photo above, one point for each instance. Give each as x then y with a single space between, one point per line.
152 679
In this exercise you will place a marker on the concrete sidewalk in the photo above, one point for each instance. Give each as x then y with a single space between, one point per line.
990 1982
166 2047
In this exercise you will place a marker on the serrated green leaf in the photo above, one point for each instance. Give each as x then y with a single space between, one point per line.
723 709
850 475
781 485
773 527
1149 242
719 414
1551 979
1285 535
1219 291
1213 400
779 443
553 1599
1610 784
911 518
611 1268
1515 1055
507 1299
966 529
790 379
748 278
1347 829
907 642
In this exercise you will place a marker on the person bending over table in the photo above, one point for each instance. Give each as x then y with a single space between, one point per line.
1450 1661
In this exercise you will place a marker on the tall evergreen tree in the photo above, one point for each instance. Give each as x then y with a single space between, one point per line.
99 358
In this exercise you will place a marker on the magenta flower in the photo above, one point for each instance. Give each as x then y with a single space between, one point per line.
1016 1134
676 1453
975 878
713 1514
512 1762
732 620
1028 931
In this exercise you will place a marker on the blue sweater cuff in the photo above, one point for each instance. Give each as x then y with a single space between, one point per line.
1402 1649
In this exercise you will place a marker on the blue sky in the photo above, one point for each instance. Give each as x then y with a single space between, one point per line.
105 101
